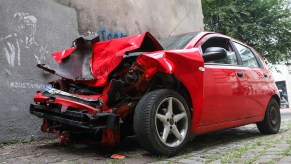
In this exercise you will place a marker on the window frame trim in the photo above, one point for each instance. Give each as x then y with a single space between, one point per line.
239 63
251 50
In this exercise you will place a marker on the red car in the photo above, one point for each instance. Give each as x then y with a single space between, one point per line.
165 92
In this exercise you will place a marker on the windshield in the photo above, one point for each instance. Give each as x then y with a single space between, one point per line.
177 41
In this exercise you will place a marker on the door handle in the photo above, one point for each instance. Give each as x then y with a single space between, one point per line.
265 74
240 74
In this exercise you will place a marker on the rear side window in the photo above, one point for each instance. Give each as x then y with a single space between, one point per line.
247 57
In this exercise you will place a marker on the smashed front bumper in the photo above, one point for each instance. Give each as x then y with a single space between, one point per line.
77 118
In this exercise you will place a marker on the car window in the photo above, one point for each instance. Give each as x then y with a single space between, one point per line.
223 43
177 41
247 57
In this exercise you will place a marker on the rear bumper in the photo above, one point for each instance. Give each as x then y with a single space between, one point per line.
77 118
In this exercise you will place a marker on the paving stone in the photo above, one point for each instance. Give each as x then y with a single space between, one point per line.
197 159
266 160
216 162
160 162
241 160
282 146
187 161
285 159
273 156
277 149
282 162
274 152
248 156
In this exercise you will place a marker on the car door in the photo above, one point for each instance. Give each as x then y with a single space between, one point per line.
224 85
257 77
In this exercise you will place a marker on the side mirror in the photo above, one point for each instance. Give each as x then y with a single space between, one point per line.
214 53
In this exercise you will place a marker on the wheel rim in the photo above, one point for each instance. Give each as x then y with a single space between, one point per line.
171 122
273 116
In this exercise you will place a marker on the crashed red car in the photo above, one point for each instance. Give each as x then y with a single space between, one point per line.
165 92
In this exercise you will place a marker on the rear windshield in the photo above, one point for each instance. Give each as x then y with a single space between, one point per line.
177 41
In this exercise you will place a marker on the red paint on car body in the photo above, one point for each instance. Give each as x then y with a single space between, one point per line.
218 97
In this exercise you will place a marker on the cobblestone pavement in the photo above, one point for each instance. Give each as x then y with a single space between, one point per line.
237 145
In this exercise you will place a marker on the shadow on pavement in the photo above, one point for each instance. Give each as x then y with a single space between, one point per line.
131 149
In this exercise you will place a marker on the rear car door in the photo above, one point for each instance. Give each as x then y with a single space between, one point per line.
258 80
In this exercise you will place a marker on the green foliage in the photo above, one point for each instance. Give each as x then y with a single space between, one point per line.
262 24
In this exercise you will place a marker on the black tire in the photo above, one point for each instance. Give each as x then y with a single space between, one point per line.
272 120
147 124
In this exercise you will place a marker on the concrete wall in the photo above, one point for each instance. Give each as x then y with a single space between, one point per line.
161 18
31 30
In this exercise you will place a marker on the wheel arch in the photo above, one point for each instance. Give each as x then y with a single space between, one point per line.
272 119
187 67
162 80
277 98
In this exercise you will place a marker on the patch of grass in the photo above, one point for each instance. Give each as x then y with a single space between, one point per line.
161 158
287 152
184 155
277 142
236 153
252 160
135 156
13 142
289 124
118 161
260 154
187 155
258 143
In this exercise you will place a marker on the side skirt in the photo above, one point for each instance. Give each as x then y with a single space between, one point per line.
225 125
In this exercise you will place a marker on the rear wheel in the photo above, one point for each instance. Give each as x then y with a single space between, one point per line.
272 120
162 122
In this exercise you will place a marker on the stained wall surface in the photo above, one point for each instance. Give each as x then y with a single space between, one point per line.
31 30
160 17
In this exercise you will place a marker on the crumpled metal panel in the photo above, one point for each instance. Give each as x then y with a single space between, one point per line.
76 66
59 56
105 57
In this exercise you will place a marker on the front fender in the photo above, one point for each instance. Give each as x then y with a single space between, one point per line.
186 66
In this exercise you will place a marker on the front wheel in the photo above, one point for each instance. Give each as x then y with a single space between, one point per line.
162 122
272 120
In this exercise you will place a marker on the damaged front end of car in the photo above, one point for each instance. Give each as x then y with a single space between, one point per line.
100 85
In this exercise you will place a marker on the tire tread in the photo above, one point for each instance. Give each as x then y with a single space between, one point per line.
142 123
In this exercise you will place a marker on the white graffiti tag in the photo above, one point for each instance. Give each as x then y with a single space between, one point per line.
11 49
26 85
23 38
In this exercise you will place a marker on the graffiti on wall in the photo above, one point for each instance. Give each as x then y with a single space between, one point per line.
17 44
107 35
26 85
23 38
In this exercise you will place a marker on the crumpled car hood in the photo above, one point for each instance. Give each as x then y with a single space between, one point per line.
95 61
